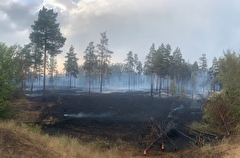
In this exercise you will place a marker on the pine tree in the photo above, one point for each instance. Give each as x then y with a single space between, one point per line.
203 70
177 64
25 61
71 65
47 37
104 56
214 72
149 68
138 68
90 63
129 66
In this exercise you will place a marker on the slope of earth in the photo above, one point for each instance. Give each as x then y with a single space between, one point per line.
14 143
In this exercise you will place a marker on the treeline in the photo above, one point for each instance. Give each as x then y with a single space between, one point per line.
163 69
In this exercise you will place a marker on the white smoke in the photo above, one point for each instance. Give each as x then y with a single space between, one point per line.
176 110
81 114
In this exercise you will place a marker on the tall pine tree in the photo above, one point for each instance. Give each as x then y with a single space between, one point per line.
90 63
104 56
129 66
46 36
71 65
149 69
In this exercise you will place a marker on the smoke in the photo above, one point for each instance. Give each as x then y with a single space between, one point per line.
84 115
176 111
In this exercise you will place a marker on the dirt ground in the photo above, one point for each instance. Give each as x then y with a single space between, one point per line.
101 116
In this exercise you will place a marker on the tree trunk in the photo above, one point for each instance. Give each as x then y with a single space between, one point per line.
129 80
157 84
167 85
70 81
178 84
101 82
152 84
44 71
89 84
32 80
160 86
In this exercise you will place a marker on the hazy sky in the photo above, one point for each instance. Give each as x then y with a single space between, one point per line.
195 26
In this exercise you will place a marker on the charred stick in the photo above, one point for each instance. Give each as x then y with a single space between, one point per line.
187 136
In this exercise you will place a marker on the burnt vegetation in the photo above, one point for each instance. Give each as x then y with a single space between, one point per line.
165 104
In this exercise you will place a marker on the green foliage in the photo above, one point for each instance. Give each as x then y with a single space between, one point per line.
9 77
214 73
161 60
46 37
71 65
149 62
203 63
149 65
103 58
129 62
46 34
229 71
90 63
221 111
90 59
176 64
195 68
5 111
129 66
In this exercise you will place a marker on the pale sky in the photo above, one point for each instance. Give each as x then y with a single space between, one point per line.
195 26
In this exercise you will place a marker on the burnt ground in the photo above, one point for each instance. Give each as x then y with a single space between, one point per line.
112 116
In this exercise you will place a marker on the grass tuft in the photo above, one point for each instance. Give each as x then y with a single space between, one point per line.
68 146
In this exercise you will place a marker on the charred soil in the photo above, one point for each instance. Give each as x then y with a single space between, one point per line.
114 116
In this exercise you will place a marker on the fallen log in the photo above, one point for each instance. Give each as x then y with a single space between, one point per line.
187 136
162 145
153 142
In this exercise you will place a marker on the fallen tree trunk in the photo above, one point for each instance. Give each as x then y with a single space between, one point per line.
152 143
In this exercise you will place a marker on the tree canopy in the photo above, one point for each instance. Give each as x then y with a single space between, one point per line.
71 65
10 76
90 63
46 36
103 57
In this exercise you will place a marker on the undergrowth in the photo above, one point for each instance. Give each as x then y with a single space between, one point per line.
68 146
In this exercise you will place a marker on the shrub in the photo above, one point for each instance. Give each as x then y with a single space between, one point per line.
221 111
9 77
